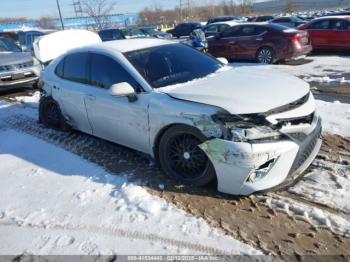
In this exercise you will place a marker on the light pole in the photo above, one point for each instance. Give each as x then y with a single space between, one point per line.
59 11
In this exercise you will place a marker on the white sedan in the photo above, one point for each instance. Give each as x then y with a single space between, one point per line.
199 118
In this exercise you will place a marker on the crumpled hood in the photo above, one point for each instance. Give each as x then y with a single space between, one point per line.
10 58
244 90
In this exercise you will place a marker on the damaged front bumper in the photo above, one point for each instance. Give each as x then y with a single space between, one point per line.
243 168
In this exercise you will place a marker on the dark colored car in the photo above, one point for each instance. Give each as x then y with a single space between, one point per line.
184 29
118 34
153 32
26 38
265 43
111 34
289 21
223 19
264 18
329 33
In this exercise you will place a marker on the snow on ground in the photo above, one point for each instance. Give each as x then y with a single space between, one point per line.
54 202
328 184
335 117
28 100
315 216
318 70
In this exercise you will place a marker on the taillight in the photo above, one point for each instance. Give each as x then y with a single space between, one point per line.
296 39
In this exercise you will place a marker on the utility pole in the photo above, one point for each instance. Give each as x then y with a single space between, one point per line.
59 11
185 5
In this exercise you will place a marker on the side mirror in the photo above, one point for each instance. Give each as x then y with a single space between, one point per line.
222 60
123 89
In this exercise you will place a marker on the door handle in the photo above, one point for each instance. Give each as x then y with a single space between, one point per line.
232 42
55 87
259 39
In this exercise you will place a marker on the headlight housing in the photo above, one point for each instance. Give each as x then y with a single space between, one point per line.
245 128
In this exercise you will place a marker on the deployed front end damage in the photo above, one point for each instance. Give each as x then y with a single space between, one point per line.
256 153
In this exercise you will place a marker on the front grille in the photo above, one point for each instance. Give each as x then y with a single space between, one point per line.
15 67
289 106
306 148
297 120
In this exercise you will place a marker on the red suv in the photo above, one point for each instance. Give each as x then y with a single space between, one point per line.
264 42
329 33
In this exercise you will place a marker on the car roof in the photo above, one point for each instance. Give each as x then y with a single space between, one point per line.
127 45
231 23
345 17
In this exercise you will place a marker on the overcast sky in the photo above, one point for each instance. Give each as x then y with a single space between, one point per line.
39 8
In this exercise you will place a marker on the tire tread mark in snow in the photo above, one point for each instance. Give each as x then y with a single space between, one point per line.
125 234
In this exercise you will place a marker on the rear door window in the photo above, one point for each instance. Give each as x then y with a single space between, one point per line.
251 30
339 24
321 25
211 29
105 72
232 32
223 27
76 68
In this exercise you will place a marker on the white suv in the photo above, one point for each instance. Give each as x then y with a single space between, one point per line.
201 119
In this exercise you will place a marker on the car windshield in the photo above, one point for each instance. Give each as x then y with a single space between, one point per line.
172 64
7 45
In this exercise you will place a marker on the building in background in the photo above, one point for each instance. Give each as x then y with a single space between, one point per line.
116 20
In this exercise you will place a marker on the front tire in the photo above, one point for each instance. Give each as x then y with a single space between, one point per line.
182 160
265 55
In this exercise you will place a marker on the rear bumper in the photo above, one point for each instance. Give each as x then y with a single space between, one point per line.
239 165
300 53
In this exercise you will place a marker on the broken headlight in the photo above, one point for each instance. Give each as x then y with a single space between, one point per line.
246 127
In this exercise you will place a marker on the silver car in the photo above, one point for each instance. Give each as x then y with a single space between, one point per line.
199 118
17 68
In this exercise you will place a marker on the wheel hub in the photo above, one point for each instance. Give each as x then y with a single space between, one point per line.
187 155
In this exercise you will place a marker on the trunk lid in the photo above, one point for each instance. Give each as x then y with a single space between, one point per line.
49 47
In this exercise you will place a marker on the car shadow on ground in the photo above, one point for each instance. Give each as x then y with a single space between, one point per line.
115 159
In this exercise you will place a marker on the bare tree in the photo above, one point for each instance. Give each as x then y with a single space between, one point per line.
100 11
291 7
46 22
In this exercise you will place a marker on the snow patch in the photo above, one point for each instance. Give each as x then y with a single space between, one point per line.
329 185
335 117
77 208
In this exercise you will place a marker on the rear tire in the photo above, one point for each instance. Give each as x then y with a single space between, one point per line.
50 114
181 159
265 55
